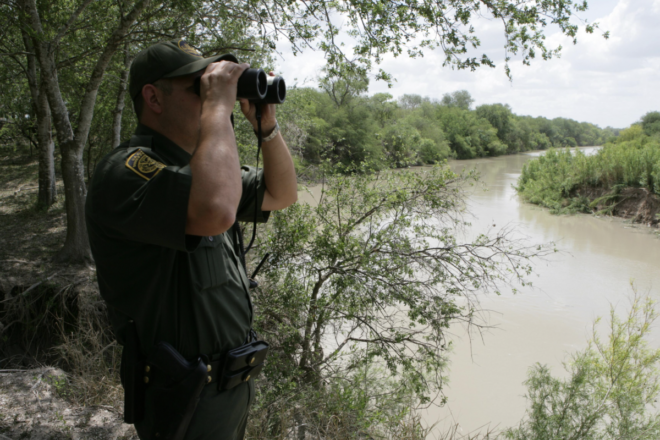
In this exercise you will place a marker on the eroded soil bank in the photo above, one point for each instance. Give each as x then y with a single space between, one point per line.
636 204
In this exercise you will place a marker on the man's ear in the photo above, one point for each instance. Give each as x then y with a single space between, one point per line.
153 98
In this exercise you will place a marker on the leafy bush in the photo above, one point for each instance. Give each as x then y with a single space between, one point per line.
553 180
357 296
611 391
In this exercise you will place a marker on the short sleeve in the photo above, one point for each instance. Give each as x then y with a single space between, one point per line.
254 188
147 209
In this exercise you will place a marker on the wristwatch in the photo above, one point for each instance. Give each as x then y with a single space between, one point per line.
272 134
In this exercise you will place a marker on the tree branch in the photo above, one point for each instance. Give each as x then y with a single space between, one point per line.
69 23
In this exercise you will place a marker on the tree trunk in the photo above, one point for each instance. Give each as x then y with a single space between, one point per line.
121 96
76 246
45 145
47 188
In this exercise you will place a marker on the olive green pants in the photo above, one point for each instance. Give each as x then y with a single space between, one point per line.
220 415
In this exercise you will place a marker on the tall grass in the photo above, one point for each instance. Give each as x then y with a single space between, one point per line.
555 180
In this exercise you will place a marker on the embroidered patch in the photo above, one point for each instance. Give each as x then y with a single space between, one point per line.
143 165
187 48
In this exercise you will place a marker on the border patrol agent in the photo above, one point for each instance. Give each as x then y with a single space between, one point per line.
161 212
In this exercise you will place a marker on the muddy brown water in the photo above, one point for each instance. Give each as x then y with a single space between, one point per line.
599 259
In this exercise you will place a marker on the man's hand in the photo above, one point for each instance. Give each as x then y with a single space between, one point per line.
219 82
268 120
279 172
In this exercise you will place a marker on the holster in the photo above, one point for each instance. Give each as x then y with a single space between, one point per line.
176 393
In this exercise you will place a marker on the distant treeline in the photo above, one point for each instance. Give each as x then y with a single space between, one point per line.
337 124
559 179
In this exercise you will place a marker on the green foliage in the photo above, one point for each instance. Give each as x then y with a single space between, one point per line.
379 28
340 124
370 280
552 180
611 391
500 117
469 135
460 99
651 123
555 179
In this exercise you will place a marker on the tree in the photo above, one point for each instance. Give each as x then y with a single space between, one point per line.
413 27
344 86
371 278
460 99
18 46
383 108
424 118
401 142
499 117
469 135
347 134
651 123
411 102
611 388
46 43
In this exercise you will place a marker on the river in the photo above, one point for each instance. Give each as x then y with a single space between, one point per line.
598 259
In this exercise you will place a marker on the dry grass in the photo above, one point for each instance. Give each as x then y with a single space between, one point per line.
91 356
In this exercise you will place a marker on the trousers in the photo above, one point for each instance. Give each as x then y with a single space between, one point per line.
220 415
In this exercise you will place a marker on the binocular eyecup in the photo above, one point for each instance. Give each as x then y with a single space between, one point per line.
257 87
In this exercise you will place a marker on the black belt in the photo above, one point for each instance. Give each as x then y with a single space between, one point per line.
231 369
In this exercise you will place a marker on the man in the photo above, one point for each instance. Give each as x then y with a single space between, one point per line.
160 214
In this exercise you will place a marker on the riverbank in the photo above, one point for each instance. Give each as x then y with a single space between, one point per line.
622 179
638 205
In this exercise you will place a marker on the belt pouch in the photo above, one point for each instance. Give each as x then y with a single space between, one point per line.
176 397
132 376
242 364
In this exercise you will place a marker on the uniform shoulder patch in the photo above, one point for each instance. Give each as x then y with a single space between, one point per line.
143 165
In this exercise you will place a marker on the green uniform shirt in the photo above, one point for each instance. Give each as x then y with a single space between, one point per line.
189 291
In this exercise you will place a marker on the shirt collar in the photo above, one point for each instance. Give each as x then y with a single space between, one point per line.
148 137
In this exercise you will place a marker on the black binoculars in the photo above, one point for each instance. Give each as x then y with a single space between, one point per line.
257 87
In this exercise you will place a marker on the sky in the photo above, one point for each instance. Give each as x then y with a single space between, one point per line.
606 82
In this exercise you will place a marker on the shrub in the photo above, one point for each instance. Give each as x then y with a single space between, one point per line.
610 393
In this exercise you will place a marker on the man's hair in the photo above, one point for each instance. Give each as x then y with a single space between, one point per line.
163 84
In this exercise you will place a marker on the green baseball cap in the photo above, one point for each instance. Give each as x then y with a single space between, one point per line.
168 60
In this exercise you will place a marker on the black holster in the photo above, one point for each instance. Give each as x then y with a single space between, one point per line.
175 392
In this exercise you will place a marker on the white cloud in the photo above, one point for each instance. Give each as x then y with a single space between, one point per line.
607 82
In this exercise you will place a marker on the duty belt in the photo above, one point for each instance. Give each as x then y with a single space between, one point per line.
231 369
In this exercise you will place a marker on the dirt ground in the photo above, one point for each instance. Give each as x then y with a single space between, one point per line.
31 409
